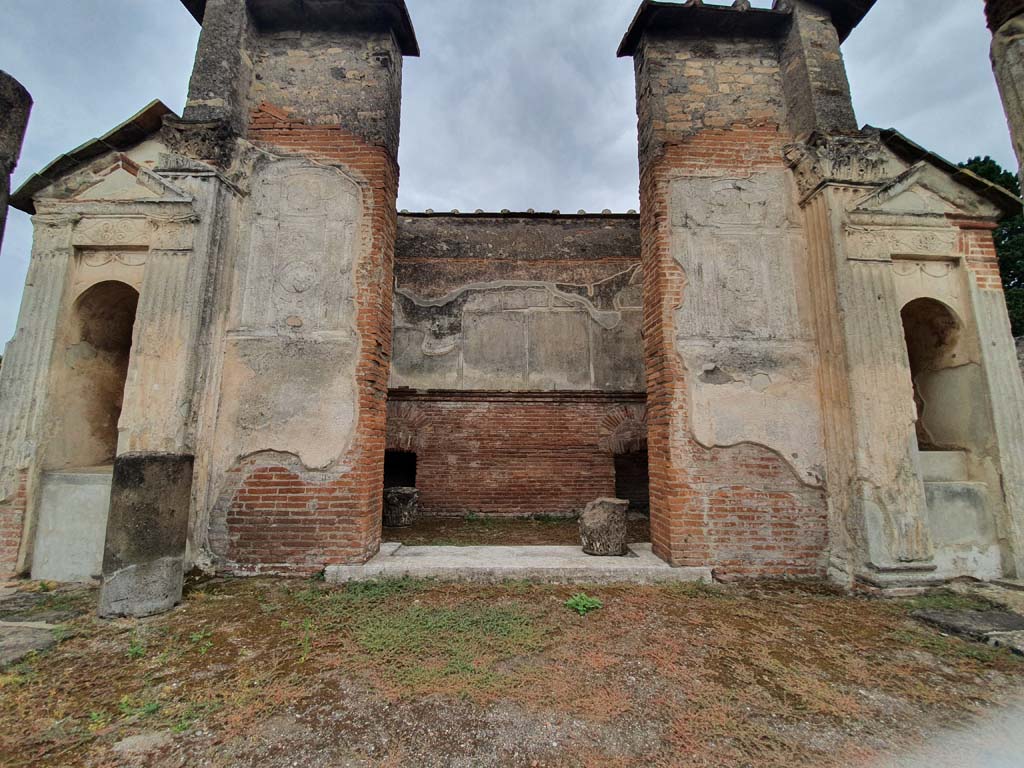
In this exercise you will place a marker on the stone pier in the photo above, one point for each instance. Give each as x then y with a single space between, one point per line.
1006 20
15 105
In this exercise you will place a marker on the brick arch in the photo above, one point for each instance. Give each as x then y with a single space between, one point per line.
407 427
624 430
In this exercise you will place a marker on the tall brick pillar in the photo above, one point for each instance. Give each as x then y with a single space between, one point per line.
302 102
1006 20
735 424
15 105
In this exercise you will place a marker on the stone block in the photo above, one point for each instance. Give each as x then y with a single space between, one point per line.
147 528
944 466
400 505
958 513
603 527
72 525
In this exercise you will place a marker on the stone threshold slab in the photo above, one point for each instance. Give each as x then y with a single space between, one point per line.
547 564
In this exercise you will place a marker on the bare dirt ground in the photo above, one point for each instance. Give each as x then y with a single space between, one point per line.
484 531
274 673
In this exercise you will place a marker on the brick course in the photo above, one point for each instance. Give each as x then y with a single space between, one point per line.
527 454
12 519
976 245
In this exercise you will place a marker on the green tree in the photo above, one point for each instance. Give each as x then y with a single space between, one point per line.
1009 237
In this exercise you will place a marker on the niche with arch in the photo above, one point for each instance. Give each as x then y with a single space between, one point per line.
955 435
96 353
947 380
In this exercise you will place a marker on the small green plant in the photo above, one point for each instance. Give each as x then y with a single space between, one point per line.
45 586
583 603
193 714
98 719
129 707
307 639
201 640
136 649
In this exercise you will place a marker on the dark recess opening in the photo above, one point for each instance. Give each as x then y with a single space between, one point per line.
399 469
631 481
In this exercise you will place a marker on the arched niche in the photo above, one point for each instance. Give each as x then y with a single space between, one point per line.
948 391
95 354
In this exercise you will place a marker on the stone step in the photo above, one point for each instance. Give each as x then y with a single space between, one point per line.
944 466
548 564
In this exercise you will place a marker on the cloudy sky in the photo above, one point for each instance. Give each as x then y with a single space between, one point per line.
513 104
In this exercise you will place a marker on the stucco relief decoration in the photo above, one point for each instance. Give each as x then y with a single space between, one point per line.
517 334
869 243
749 353
624 430
125 258
299 273
293 354
111 232
937 270
915 278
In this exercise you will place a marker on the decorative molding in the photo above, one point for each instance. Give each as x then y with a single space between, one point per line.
624 429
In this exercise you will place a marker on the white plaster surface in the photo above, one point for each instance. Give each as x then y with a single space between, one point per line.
563 564
72 525
743 330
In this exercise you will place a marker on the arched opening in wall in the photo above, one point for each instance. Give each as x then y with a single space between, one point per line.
955 430
933 337
631 481
399 469
97 356
88 389
632 484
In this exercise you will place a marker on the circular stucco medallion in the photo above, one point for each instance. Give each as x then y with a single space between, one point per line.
297 277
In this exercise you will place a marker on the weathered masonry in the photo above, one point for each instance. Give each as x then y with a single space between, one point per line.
15 105
1006 20
797 355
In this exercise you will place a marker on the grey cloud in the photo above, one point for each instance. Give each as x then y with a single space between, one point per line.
513 104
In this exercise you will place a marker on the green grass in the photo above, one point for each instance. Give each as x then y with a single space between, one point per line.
951 647
945 600
129 707
421 646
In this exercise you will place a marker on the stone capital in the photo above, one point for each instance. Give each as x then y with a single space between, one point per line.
821 160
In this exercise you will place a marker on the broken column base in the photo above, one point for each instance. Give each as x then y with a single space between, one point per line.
603 528
143 590
147 528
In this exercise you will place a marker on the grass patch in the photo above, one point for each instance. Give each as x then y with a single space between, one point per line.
946 600
951 647
421 647
330 603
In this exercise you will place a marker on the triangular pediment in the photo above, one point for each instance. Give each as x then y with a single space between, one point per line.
98 170
925 190
118 184
118 178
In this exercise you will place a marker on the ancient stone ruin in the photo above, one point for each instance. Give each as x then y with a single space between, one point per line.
797 357
15 105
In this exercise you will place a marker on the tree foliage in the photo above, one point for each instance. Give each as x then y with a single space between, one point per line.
1009 237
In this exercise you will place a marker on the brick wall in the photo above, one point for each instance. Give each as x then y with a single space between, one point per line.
12 517
975 243
275 514
741 510
505 454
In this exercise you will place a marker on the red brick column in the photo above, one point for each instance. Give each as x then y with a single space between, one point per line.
280 516
741 510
